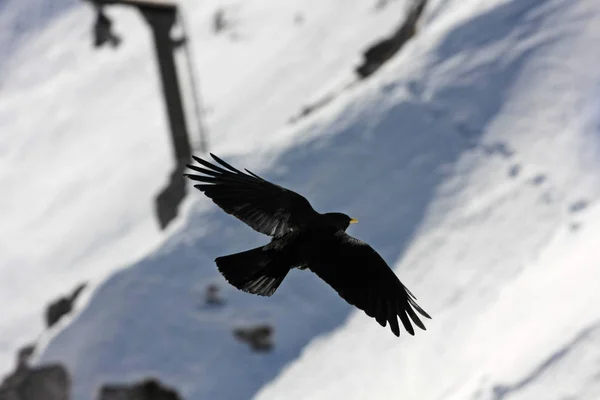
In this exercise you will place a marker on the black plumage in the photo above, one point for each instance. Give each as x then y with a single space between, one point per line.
302 238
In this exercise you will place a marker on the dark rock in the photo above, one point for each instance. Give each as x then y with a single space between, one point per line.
103 31
219 22
150 389
24 354
538 179
310 108
499 148
374 57
577 206
63 306
50 382
382 51
258 337
212 295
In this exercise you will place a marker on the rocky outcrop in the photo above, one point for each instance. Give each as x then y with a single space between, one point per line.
376 55
49 382
62 306
150 389
52 382
219 22
258 337
373 58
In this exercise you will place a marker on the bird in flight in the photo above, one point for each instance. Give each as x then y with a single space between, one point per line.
305 239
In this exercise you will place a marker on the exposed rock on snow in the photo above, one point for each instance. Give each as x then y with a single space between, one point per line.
150 389
383 50
62 306
50 382
258 337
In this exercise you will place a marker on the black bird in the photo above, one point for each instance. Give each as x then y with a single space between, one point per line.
302 238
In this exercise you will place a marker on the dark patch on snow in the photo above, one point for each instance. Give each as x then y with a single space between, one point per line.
62 306
499 148
514 170
213 296
259 337
538 179
374 57
219 21
24 354
310 108
49 382
415 87
577 206
149 389
382 51
549 197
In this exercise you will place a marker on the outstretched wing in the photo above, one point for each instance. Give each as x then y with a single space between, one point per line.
363 279
264 206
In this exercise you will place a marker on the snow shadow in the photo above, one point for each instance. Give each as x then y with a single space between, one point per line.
381 163
492 50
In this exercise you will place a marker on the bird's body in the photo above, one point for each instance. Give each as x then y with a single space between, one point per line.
303 238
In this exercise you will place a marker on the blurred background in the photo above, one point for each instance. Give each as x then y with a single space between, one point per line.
464 135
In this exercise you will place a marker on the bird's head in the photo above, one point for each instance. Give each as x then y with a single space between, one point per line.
339 220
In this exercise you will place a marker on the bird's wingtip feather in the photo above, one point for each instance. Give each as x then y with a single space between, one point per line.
423 312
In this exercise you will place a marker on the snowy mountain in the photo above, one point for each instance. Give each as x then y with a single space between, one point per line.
470 160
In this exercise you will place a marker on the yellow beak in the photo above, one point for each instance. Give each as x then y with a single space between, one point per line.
354 221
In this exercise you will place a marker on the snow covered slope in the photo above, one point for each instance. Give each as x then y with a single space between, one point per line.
84 146
506 258
470 161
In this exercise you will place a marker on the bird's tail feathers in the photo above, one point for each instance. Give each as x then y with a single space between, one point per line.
256 271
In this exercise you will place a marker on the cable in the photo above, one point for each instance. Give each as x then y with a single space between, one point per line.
198 106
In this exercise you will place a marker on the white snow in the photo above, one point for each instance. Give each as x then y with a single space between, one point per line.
470 160
85 146
506 265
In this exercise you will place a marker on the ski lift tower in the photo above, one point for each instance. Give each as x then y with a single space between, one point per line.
162 16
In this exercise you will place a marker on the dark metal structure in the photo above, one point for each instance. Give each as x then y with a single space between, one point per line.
162 16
